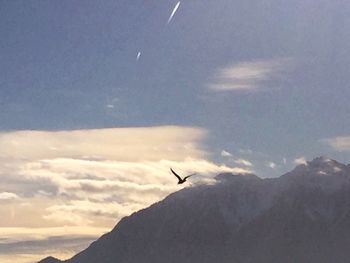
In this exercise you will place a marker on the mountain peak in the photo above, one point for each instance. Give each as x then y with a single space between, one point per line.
322 160
50 260
320 166
324 165
229 221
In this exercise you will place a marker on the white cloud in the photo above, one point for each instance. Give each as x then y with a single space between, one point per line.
225 154
95 177
300 160
248 75
243 162
123 144
340 143
122 187
272 165
239 161
8 196
82 212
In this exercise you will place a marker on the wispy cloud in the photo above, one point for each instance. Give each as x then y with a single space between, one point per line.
122 144
340 143
20 244
248 75
272 165
225 153
174 11
238 161
300 160
94 177
243 162
108 190
8 196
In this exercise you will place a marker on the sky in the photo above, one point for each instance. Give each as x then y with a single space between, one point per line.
99 98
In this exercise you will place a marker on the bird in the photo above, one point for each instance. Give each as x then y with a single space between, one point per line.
181 181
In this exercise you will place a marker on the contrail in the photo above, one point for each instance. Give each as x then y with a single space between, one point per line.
138 56
174 11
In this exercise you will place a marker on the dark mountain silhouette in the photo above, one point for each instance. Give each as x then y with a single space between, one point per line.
302 216
50 260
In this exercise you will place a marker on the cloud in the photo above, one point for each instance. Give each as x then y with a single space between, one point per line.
16 234
93 178
82 212
8 196
123 144
33 246
340 143
272 165
225 154
91 187
239 161
300 160
243 162
249 75
19 244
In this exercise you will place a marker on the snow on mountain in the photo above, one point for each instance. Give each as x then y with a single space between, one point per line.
302 216
320 166
317 173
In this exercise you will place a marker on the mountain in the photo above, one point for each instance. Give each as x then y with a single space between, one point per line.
50 260
302 216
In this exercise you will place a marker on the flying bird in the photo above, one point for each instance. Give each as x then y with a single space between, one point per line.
181 181
174 11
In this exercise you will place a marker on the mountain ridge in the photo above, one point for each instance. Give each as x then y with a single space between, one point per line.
300 216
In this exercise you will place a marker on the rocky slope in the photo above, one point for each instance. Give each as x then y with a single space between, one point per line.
302 216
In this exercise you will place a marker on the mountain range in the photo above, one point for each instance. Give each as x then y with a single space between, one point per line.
301 216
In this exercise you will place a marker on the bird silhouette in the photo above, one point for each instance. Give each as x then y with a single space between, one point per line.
181 181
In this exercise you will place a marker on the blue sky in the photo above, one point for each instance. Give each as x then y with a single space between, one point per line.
63 61
72 65
263 81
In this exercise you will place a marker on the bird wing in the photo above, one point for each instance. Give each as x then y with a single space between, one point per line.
178 177
188 176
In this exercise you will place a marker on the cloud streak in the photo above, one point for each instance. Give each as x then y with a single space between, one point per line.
21 244
122 144
243 162
249 75
8 196
225 153
339 143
